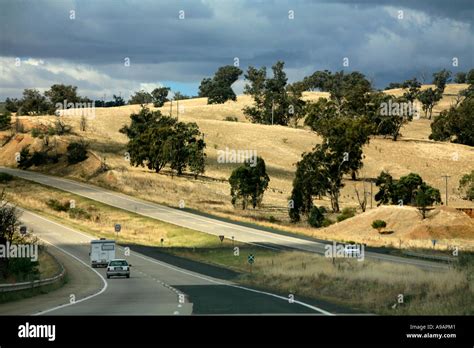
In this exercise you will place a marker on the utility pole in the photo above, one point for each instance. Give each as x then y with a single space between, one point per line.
177 109
446 181
171 107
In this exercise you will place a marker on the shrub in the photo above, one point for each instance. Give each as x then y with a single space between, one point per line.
24 162
36 132
57 205
231 119
379 224
5 120
316 216
327 222
5 177
51 131
77 152
346 214
23 267
61 128
79 213
39 158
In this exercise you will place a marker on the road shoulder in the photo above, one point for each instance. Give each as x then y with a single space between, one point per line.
81 282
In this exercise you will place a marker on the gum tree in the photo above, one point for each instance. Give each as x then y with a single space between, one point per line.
219 89
248 183
275 102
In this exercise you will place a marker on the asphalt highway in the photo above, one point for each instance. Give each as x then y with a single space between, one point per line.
200 223
154 287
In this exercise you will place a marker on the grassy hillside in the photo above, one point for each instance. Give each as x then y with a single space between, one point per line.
281 147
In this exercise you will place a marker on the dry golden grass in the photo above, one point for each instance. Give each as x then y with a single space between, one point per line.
449 96
47 265
136 229
369 285
281 147
447 225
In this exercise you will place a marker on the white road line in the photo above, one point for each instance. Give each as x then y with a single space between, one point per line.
310 247
230 284
168 210
172 268
82 299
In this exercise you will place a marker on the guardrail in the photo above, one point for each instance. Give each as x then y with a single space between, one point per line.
430 257
35 283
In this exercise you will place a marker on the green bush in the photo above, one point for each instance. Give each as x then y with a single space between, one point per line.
231 119
57 205
24 161
5 177
316 216
379 224
23 268
79 213
346 214
77 152
36 132
5 120
327 222
39 158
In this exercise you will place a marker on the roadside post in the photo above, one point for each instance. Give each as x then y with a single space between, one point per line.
251 260
23 230
117 228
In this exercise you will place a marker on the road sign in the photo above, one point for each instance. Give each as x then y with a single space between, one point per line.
23 230
251 259
118 228
221 237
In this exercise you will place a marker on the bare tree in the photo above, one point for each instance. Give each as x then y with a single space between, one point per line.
362 201
457 100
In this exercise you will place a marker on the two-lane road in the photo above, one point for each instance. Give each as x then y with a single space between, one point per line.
198 222
154 287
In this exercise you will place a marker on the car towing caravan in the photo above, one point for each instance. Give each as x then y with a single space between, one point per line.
101 252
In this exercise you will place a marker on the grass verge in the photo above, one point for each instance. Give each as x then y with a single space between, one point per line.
368 286
48 267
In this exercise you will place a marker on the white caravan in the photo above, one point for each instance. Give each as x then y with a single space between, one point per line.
102 251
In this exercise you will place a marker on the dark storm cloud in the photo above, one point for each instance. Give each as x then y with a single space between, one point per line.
162 47
462 10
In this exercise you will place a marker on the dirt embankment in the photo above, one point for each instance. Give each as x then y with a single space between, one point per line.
446 225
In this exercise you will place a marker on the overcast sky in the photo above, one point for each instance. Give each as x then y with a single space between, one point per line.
41 45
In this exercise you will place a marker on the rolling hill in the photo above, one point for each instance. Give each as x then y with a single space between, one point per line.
281 147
